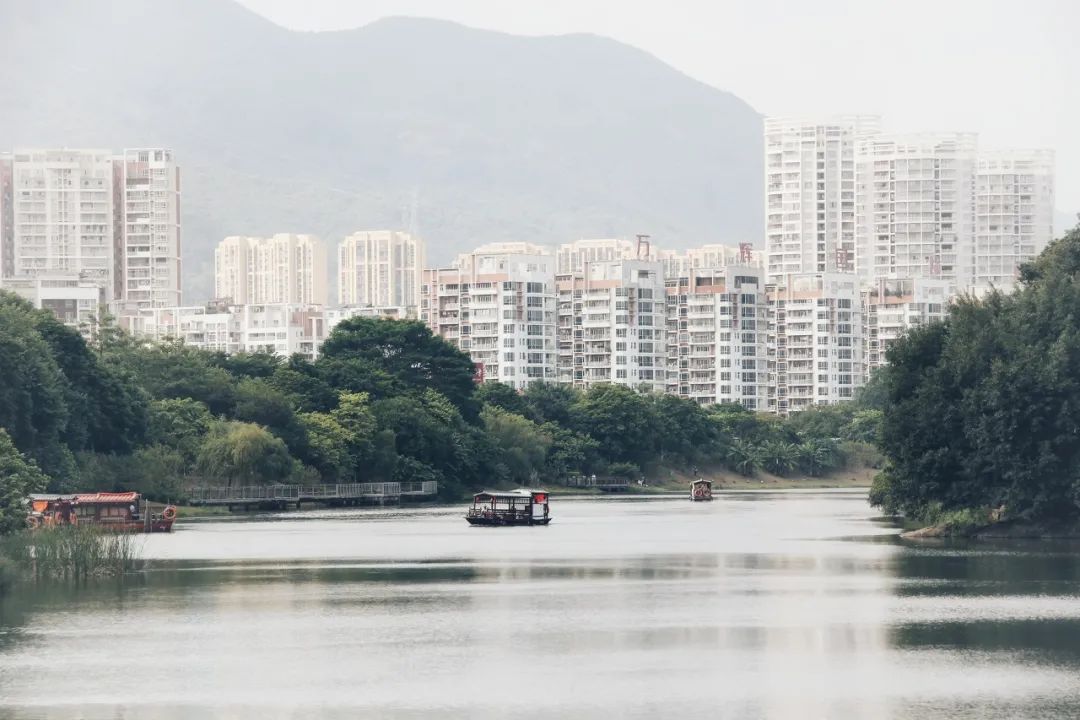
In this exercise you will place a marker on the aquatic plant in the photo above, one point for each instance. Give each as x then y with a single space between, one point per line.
72 553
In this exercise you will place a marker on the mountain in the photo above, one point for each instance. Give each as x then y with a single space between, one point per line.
489 136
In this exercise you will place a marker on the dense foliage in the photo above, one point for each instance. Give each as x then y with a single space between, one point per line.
983 410
386 400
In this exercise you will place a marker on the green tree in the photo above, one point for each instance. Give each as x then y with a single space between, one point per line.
520 445
259 402
33 397
19 476
502 396
744 457
388 357
355 415
261 365
244 454
571 452
330 445
173 370
300 381
684 431
180 424
620 420
779 457
550 403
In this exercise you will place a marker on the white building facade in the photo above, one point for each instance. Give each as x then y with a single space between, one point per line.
284 268
892 306
148 182
380 268
816 341
612 326
112 219
1014 213
916 206
810 192
60 216
500 308
717 335
283 329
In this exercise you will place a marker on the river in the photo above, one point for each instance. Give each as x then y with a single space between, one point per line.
758 605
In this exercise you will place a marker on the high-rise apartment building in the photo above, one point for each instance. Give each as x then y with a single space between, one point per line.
111 219
60 216
916 206
893 306
1014 213
810 193
500 308
717 333
816 341
147 184
285 268
234 268
611 325
380 268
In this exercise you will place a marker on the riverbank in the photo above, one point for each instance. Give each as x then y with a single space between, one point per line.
1007 530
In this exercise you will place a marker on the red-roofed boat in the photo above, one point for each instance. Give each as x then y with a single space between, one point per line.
120 512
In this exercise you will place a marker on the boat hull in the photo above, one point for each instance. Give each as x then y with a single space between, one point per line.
504 522
701 499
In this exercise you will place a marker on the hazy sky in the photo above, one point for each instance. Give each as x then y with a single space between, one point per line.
1007 69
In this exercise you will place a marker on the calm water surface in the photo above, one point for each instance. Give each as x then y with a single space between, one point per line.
763 605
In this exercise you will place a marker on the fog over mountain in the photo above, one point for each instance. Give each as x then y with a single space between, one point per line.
497 137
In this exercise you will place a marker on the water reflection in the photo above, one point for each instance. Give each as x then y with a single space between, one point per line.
769 605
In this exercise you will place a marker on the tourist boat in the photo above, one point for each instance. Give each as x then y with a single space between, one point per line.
701 490
120 512
517 507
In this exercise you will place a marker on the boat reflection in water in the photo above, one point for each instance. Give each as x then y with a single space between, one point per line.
517 507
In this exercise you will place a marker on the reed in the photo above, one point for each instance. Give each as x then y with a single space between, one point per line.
73 553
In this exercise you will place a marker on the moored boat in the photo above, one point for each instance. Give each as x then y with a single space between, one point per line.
119 512
517 507
701 490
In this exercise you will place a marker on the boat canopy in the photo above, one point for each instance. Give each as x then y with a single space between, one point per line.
101 497
701 481
521 494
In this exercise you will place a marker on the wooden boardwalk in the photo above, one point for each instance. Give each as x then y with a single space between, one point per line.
285 495
607 484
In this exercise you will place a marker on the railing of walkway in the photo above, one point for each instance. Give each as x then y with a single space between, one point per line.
297 493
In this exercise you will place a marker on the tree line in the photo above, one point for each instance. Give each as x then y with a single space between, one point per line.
385 400
982 411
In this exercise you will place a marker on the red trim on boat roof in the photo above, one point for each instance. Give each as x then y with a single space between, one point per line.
105 497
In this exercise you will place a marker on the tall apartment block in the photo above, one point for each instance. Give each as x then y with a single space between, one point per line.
916 206
147 182
380 268
500 308
1014 213
59 216
816 340
810 193
717 333
891 307
285 268
103 218
611 325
